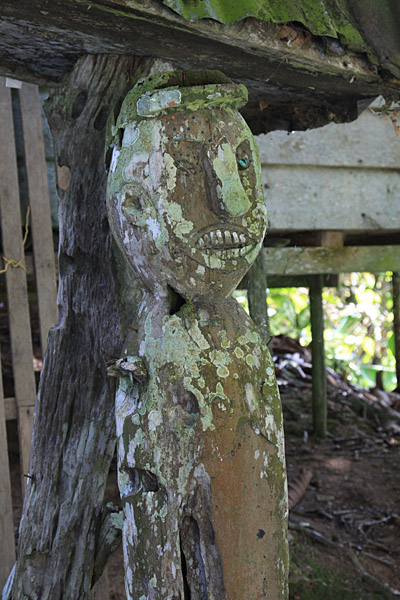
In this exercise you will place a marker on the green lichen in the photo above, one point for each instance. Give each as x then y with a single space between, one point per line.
234 196
322 17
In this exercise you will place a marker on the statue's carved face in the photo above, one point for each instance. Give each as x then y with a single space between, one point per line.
186 202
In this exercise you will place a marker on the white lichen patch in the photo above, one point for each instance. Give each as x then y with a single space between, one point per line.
250 398
179 224
155 419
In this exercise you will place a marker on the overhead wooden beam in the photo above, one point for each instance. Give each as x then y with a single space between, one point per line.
312 261
41 45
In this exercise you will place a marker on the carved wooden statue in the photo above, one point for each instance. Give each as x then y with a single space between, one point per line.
199 421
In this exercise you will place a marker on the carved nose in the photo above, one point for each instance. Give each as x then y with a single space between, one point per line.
225 191
234 198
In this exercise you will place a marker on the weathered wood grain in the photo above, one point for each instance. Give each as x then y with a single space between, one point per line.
39 201
7 541
73 439
17 293
312 261
43 45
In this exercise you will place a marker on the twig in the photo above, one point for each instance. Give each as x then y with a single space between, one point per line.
315 535
389 563
370 577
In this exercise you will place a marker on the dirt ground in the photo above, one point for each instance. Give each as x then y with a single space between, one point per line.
345 527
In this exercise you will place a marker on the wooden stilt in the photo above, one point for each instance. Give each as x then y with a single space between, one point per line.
257 297
396 323
7 543
319 400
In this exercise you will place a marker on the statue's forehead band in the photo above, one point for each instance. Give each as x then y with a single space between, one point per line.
152 103
176 91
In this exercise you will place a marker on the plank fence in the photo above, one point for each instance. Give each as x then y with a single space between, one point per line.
14 230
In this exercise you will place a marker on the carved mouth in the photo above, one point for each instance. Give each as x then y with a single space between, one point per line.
224 243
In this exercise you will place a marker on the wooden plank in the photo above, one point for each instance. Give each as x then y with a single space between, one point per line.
319 397
321 173
7 541
368 142
10 408
20 329
35 162
345 199
312 261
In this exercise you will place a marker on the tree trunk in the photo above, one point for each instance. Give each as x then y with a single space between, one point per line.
73 438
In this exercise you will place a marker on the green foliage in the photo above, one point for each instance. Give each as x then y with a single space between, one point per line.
358 325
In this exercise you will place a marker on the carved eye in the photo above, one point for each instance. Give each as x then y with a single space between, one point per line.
243 163
243 156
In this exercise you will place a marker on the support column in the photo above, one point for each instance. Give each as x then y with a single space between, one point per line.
396 323
74 428
257 297
319 399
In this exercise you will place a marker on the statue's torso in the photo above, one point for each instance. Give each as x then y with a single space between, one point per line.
210 408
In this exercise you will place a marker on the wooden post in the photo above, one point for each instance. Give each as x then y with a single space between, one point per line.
17 292
39 201
7 541
74 430
319 399
396 323
257 296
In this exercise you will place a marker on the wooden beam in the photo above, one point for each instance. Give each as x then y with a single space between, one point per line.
319 398
312 261
42 45
282 281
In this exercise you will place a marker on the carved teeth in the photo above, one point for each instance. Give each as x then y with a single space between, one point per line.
235 237
220 238
231 242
